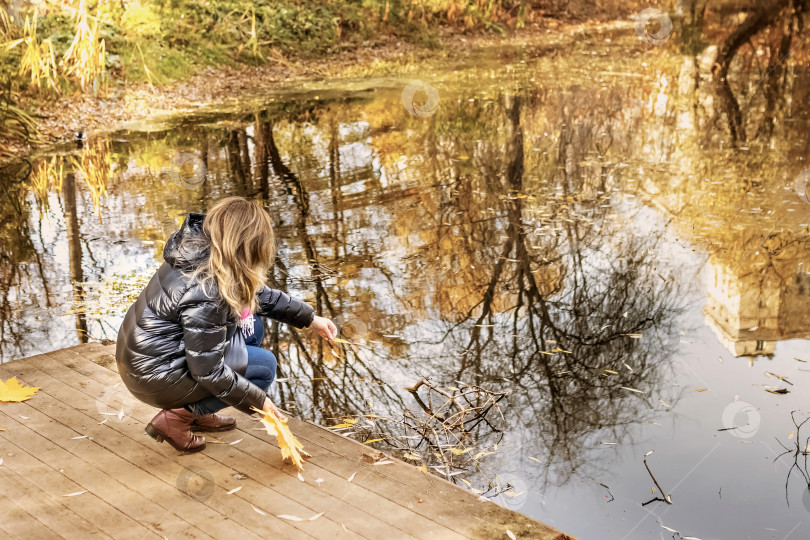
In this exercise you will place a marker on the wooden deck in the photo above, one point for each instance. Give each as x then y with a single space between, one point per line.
66 475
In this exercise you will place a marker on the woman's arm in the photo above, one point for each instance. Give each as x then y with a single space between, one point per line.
204 335
282 307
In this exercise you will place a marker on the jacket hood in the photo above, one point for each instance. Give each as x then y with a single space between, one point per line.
187 247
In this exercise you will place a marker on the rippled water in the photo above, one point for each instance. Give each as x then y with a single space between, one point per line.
565 233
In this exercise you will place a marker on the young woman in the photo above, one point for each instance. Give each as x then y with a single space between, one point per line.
190 344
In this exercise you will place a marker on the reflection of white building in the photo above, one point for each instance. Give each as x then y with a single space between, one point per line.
750 308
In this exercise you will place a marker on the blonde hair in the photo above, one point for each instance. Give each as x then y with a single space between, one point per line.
242 250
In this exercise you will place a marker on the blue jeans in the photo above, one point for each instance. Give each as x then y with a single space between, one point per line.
261 370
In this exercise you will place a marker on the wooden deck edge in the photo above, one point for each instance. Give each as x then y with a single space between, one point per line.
491 521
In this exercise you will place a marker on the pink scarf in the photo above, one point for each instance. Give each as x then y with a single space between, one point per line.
246 322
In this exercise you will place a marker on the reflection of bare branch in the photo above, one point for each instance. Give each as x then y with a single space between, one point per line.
448 444
796 452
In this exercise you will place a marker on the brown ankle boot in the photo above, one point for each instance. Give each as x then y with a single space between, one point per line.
172 426
213 422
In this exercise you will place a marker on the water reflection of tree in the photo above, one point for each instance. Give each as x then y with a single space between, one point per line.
568 289
776 28
557 320
17 252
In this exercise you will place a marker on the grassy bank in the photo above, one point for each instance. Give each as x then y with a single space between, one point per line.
57 48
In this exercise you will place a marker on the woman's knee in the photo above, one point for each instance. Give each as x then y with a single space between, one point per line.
262 357
261 369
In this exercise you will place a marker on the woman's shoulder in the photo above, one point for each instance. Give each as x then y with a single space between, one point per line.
184 288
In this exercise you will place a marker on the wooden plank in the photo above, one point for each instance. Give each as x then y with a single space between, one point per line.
26 438
19 523
49 510
390 491
170 498
90 507
163 465
328 494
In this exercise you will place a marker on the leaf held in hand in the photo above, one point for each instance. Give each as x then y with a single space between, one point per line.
287 442
12 390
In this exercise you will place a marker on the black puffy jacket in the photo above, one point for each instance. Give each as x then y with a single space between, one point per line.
178 345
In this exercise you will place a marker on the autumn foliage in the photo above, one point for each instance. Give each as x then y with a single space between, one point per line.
287 442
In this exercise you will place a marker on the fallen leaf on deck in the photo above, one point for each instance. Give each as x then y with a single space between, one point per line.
287 442
301 477
234 490
80 437
319 481
103 421
1 461
75 493
316 516
121 414
237 441
386 462
13 390
260 511
291 518
25 417
349 479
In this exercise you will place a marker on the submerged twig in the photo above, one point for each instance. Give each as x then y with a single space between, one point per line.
666 498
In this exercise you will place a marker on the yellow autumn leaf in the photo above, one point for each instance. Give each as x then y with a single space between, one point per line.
336 426
372 440
459 451
338 340
12 390
412 456
350 420
287 442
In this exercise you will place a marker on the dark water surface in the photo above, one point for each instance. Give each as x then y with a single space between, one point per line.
572 228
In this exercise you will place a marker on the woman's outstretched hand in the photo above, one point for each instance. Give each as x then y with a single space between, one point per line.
270 408
324 327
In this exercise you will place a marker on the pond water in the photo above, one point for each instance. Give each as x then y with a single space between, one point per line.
564 235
